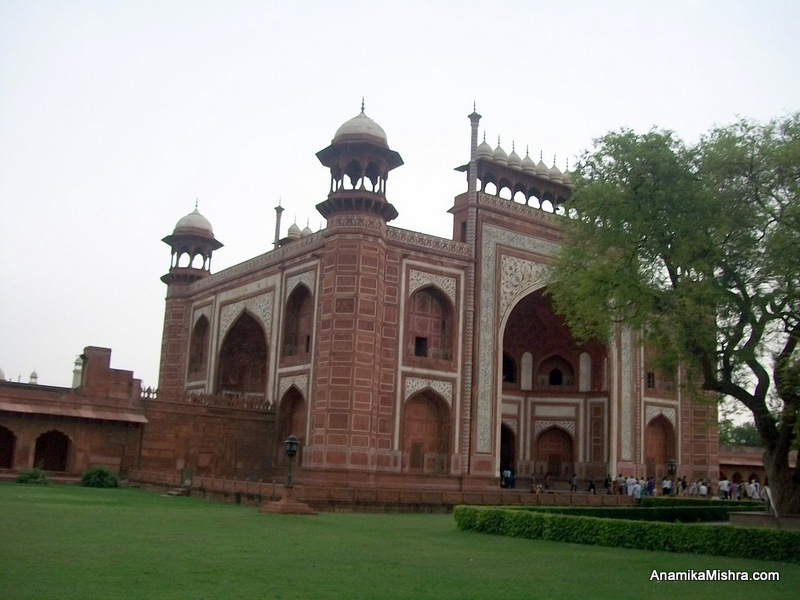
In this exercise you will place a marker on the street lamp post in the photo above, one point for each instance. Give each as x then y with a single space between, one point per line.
672 467
290 445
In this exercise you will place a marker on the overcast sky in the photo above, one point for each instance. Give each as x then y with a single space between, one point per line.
115 117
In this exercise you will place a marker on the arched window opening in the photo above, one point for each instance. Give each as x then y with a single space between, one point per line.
52 451
243 359
556 371
490 188
298 324
198 347
8 443
426 434
354 174
430 325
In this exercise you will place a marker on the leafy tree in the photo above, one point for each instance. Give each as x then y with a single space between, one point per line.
745 434
698 248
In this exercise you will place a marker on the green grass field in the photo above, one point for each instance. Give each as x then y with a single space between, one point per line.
59 542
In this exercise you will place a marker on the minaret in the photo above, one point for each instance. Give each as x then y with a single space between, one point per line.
192 243
358 305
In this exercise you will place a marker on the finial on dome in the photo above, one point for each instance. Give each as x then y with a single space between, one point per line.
474 107
196 202
362 104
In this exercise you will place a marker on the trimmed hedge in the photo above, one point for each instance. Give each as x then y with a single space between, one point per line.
682 514
736 542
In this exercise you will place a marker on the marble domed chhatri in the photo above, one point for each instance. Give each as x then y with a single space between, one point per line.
192 242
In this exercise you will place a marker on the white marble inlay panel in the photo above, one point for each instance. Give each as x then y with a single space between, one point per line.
418 279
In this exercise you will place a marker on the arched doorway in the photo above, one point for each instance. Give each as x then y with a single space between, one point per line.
508 449
291 421
243 359
659 446
426 433
52 451
554 449
7 444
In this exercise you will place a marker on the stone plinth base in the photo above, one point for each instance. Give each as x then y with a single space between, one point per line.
762 519
287 505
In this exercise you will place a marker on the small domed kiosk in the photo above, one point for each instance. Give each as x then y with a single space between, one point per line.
192 242
360 159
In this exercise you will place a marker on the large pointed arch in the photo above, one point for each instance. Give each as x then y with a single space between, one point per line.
242 365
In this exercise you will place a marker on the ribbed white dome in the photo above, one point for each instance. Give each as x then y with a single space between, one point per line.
499 155
527 163
484 149
514 161
541 169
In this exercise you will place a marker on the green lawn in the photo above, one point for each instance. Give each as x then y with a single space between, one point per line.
71 542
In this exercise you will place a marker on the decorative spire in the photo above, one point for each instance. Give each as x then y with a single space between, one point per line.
362 104
196 202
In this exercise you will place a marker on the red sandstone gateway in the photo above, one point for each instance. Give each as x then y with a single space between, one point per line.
400 360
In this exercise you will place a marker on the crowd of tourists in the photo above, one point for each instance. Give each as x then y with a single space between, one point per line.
641 487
